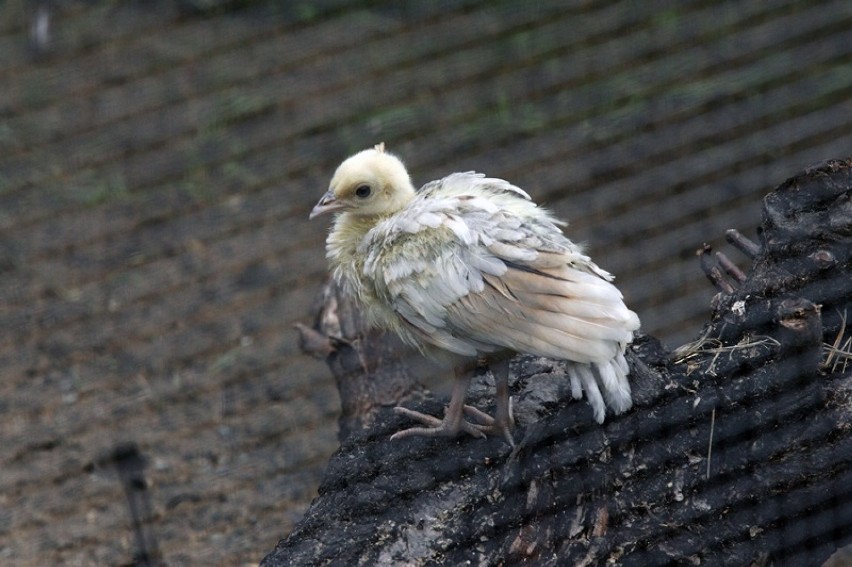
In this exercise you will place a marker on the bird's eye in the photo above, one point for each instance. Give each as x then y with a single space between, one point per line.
363 191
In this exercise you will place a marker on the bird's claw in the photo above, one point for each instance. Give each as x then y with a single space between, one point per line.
436 427
446 428
497 425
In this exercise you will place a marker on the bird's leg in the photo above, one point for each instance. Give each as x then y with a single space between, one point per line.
453 421
503 420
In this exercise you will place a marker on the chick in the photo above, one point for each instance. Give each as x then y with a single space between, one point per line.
469 266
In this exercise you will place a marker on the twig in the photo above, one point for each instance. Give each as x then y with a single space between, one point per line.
840 352
742 243
710 442
713 273
730 268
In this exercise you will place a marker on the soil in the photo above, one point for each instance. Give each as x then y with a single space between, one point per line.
158 161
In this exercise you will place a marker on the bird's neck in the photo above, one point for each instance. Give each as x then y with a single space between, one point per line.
342 251
345 236
352 228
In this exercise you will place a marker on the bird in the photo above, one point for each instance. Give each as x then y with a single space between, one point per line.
470 270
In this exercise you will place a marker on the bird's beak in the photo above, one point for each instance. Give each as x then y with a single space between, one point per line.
327 204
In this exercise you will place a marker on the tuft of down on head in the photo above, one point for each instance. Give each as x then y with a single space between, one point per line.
372 182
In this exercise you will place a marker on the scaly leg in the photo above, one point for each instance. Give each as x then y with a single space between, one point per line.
453 421
503 420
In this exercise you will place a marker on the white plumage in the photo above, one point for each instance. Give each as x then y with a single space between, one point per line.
470 265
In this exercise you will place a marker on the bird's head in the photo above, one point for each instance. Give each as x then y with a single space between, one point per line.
369 183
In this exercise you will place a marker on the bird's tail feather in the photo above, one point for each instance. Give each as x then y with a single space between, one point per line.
605 385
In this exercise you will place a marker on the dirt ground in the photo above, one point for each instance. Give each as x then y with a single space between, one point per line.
158 161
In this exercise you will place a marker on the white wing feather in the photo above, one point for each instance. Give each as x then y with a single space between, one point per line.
494 272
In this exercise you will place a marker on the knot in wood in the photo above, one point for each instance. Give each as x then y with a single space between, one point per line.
823 259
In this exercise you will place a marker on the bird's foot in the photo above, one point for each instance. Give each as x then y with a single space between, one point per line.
448 427
498 425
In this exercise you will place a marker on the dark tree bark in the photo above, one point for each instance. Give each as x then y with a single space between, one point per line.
368 366
737 450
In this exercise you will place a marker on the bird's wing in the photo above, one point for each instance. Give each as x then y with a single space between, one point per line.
472 265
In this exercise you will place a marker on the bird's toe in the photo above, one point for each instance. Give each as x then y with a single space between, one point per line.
435 427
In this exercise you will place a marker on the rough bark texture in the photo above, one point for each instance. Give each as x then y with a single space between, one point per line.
737 450
368 365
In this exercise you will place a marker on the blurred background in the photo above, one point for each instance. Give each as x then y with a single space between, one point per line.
158 161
